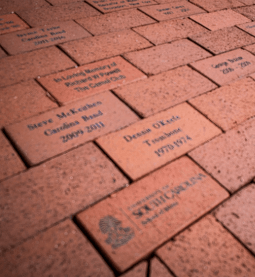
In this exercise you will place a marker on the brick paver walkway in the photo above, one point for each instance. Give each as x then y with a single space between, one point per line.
127 138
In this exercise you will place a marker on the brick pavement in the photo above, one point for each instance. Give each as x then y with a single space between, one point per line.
127 138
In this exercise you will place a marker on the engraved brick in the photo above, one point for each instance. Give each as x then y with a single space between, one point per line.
105 46
59 251
229 105
248 11
107 6
230 157
151 211
152 142
115 21
61 2
149 96
34 38
139 271
171 10
215 5
227 67
171 30
56 131
157 269
224 40
86 80
46 194
2 53
207 249
221 19
10 162
21 101
237 214
166 56
52 14
248 27
11 23
32 64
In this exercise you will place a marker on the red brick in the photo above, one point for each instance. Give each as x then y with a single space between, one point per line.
248 2
157 140
229 105
224 40
149 96
171 10
237 214
219 20
207 249
248 27
2 54
11 23
59 251
230 157
106 6
76 83
32 64
27 40
56 131
46 194
10 162
139 271
52 14
247 11
151 211
250 48
157 269
166 56
21 101
167 1
171 30
227 67
215 5
116 21
105 46
61 2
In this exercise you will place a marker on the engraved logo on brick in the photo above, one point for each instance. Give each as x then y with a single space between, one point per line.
117 235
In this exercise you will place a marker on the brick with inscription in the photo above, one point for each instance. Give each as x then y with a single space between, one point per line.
10 162
105 46
223 40
2 53
207 249
166 56
171 30
237 214
48 193
227 67
229 158
157 140
248 27
171 10
215 5
248 11
115 21
34 38
151 211
164 90
61 2
11 23
89 79
138 271
59 251
52 14
29 65
56 131
157 269
107 6
229 105
221 19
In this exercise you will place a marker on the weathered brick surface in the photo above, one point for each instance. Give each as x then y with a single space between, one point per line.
10 162
105 46
248 11
250 48
32 64
61 2
221 19
229 105
59 251
138 271
164 90
116 21
157 269
166 56
11 23
44 195
248 27
151 211
237 214
207 249
248 2
84 81
171 30
230 157
34 38
227 67
2 53
215 5
52 14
